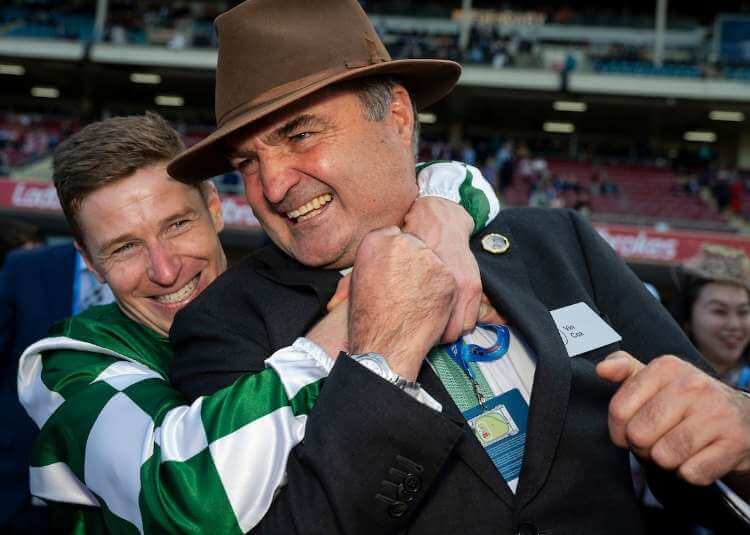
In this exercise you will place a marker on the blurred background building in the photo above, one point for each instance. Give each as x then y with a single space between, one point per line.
635 113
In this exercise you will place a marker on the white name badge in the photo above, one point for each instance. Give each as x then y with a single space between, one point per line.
582 329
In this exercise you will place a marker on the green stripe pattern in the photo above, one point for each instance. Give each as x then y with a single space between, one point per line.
151 463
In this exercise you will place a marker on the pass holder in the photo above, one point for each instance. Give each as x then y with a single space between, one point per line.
500 425
463 354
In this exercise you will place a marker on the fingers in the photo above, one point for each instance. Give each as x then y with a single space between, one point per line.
708 464
488 314
466 311
662 428
681 443
342 292
639 385
618 367
471 316
679 417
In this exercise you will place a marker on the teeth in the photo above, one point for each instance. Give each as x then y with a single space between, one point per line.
314 204
180 294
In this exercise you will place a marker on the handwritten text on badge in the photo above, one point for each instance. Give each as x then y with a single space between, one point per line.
582 329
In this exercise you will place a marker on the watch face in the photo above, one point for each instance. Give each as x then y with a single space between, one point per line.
371 364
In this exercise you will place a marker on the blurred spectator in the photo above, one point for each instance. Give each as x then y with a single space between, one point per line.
583 203
507 165
14 234
736 194
721 191
490 171
714 308
543 194
26 136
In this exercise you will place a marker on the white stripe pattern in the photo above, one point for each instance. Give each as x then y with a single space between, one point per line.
273 435
121 375
122 431
57 482
39 401
444 179
181 435
300 364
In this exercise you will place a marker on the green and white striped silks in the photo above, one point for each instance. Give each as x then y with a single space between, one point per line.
115 435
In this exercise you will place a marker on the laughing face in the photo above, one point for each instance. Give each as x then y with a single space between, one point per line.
720 324
154 241
320 175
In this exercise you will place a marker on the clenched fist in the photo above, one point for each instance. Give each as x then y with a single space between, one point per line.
401 298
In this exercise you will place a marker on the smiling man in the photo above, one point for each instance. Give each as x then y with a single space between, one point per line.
118 445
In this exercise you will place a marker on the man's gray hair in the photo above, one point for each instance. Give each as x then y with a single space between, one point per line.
376 95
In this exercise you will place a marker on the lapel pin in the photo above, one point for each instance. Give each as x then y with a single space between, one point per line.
495 243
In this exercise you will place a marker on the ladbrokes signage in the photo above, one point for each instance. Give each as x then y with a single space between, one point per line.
646 245
42 196
28 195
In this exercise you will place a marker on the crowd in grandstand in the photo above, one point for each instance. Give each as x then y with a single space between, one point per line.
27 136
181 25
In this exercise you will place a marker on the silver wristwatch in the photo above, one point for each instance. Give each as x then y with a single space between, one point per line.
376 363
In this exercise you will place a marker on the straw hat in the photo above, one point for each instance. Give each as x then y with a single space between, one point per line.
720 264
274 52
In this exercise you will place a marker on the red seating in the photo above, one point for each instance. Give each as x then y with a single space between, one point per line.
645 193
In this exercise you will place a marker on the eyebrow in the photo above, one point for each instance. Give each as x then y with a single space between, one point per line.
124 238
725 304
301 121
304 120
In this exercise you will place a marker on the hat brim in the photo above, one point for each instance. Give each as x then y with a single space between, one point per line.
426 80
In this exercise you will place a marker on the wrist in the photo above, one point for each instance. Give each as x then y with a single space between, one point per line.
377 364
398 361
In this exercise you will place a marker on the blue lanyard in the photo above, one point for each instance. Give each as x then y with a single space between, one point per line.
463 354
77 283
744 379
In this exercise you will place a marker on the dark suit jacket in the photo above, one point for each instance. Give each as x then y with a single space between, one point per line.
375 461
36 290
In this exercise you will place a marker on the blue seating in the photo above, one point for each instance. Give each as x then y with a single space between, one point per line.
644 68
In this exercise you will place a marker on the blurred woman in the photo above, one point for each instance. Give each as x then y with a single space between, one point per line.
714 309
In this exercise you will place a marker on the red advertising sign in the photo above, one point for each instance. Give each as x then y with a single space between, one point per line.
31 195
650 246
42 196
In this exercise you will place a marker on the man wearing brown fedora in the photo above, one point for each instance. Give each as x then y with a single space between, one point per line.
528 422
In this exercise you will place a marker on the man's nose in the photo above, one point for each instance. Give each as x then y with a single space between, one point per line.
278 176
164 265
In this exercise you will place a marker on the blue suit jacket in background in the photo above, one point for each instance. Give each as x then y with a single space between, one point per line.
36 290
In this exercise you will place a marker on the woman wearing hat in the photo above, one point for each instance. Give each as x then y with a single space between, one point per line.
714 308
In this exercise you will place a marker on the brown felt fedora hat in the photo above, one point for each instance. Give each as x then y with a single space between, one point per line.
274 52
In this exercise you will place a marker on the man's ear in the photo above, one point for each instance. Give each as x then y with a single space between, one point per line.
402 113
89 263
213 202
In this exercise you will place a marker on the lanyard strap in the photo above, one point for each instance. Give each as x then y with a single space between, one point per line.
464 354
744 379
